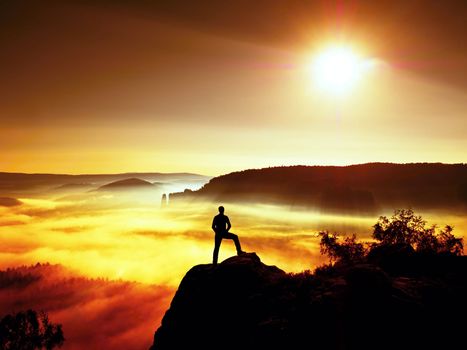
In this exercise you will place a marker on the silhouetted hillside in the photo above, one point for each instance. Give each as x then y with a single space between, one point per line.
361 188
244 304
74 185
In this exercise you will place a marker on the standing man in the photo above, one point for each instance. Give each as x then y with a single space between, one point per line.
221 226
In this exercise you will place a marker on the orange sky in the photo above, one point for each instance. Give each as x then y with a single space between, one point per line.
107 86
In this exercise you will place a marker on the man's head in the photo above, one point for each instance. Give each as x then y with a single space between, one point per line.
221 209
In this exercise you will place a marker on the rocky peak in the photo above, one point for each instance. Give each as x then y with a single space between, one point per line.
244 304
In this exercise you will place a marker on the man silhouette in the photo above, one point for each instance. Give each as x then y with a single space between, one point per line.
221 226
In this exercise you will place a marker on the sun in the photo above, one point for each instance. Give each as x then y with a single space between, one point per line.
337 69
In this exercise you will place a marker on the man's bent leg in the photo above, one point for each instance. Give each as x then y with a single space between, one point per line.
234 237
217 244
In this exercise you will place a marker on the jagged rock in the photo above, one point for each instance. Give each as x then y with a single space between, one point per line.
368 279
214 304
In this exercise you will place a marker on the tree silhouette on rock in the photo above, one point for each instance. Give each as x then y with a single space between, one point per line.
406 228
403 232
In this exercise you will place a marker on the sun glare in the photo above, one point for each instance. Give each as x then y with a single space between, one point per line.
337 69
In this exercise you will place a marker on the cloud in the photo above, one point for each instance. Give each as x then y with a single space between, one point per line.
9 202
12 223
95 313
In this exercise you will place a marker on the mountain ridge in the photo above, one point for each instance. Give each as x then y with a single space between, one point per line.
354 189
15 183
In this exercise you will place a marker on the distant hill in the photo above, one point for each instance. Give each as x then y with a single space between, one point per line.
92 178
12 184
73 186
128 184
352 189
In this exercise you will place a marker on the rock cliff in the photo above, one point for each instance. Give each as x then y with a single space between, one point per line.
244 304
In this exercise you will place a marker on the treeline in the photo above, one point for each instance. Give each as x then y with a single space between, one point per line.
364 188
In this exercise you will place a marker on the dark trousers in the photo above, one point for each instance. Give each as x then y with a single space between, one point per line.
218 240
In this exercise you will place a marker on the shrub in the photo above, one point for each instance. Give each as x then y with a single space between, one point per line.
28 330
406 228
403 228
348 251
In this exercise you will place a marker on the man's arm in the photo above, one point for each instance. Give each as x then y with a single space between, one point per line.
214 224
228 224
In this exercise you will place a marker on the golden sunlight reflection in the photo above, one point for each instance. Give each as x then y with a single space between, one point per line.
140 241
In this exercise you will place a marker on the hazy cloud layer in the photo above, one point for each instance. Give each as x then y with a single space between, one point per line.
99 247
95 313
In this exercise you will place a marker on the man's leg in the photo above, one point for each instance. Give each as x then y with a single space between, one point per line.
217 244
234 237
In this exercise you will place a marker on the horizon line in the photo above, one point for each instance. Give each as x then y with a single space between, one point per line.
220 174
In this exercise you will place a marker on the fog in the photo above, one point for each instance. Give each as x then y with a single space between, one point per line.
145 249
